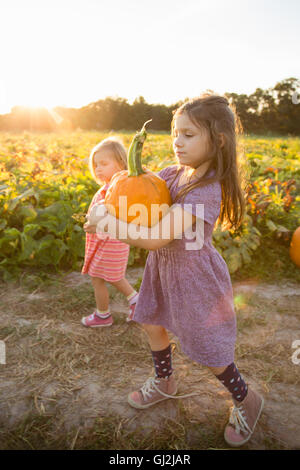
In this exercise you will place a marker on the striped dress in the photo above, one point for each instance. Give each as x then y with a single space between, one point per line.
105 257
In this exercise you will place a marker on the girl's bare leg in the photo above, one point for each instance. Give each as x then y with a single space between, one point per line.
157 336
101 294
217 370
123 286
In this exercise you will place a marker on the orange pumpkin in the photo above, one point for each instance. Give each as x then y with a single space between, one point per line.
135 195
295 247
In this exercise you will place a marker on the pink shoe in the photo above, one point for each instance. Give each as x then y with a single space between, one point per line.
243 419
154 390
131 313
94 321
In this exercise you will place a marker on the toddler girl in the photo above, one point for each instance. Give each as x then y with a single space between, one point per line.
106 258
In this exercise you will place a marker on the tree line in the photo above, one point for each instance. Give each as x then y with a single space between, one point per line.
275 110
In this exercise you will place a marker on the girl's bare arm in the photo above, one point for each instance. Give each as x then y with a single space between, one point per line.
175 222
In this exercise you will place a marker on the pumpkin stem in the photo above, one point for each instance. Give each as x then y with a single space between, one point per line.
135 152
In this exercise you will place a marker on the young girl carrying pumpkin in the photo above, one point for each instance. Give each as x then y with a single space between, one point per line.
187 291
106 258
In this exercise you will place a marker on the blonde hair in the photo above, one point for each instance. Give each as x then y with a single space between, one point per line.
115 145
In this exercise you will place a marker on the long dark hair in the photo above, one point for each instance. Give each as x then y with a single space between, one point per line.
214 113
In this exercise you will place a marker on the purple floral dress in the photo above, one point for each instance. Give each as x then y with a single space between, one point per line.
189 292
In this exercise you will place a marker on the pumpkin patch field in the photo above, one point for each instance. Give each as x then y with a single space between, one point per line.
64 386
46 187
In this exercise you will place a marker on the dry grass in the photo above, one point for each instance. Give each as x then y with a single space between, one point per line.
65 386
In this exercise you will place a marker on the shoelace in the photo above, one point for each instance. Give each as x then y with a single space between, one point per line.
151 385
94 315
90 317
239 421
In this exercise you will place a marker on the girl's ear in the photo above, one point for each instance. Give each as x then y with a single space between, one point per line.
222 140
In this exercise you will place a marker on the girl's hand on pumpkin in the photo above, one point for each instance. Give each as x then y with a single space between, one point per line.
93 220
89 228
97 213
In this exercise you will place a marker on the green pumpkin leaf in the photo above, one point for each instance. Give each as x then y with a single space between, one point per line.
31 229
246 255
28 247
270 224
233 258
27 212
3 224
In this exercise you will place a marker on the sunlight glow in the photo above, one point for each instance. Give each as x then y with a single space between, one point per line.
240 301
70 54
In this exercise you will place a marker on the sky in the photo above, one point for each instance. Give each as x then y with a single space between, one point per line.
74 52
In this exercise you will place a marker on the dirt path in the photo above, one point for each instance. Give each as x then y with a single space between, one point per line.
64 385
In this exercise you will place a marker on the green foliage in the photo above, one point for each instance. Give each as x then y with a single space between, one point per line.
237 248
264 111
46 188
273 204
271 110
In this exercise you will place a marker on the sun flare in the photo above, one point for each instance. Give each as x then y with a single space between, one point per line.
37 97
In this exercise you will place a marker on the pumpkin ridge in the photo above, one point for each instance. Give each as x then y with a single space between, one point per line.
140 186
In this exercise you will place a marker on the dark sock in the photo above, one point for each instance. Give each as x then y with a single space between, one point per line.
233 381
163 362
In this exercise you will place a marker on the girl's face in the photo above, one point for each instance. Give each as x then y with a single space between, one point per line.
191 144
105 165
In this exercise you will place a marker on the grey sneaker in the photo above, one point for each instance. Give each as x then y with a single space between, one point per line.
154 390
243 419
